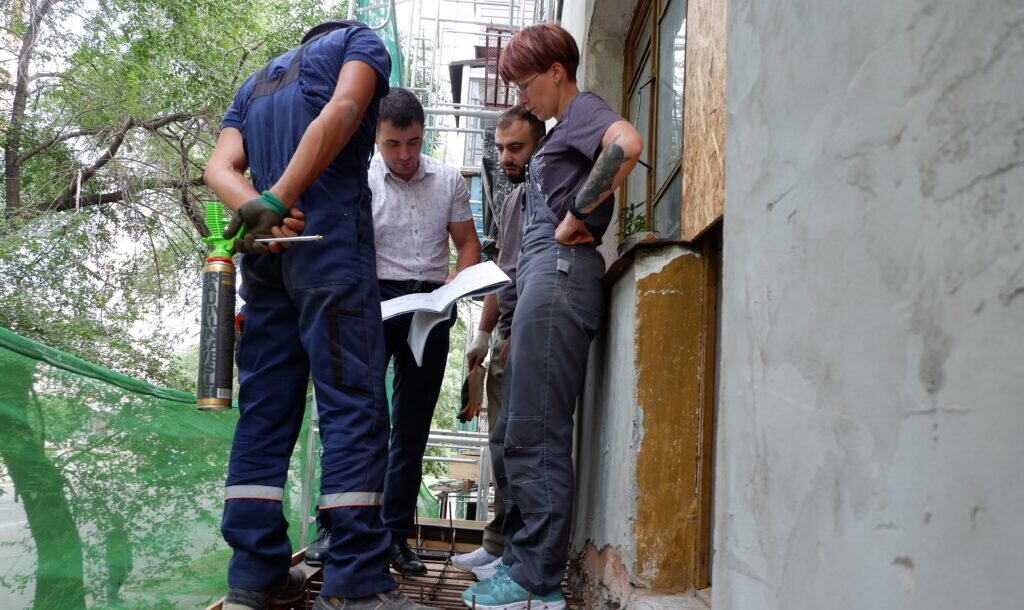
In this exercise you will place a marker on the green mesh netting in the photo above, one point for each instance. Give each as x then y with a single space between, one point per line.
426 504
110 488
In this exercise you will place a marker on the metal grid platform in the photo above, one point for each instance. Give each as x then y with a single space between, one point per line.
441 587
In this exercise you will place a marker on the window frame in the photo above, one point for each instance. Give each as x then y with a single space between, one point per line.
655 11
701 185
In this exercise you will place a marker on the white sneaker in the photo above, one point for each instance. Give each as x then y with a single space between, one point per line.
486 571
467 561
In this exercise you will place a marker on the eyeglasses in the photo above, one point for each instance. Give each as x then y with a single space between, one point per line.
521 87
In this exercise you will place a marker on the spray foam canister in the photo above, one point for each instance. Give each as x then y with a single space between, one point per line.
217 319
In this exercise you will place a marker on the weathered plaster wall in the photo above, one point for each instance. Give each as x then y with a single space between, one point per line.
671 287
608 432
872 366
636 525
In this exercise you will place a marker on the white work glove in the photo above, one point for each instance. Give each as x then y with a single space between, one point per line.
477 350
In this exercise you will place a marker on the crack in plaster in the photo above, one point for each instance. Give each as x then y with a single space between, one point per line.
1007 296
771 204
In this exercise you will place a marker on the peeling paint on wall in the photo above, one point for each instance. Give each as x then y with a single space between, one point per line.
602 578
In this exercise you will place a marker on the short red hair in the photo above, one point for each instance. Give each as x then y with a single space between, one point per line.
535 49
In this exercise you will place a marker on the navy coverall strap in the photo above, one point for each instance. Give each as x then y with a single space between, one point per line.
269 86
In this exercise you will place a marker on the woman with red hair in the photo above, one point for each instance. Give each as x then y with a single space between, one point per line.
569 202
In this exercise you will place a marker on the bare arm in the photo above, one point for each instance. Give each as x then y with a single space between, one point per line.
325 137
621 148
328 134
225 171
225 174
467 245
489 317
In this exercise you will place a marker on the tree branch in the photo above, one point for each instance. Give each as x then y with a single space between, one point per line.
152 125
83 175
78 133
12 169
39 75
67 201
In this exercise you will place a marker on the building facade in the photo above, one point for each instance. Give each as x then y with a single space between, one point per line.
808 392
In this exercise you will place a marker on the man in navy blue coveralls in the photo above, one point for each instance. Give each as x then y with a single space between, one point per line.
304 127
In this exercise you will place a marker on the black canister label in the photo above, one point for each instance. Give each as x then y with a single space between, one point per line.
217 336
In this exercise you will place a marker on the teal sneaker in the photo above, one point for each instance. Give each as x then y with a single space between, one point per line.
502 593
485 585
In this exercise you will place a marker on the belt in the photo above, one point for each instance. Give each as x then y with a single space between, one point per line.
409 286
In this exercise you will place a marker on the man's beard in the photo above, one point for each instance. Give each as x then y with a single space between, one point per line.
518 178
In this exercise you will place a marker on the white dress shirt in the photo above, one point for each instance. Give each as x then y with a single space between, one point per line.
410 219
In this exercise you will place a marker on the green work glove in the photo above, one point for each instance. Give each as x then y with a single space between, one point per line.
258 216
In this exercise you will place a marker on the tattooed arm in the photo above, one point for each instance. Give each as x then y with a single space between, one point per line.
620 150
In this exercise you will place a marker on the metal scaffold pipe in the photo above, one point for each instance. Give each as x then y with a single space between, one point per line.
507 26
460 105
432 458
466 433
482 114
455 130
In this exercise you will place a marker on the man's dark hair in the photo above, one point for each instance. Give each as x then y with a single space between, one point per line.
520 113
402 108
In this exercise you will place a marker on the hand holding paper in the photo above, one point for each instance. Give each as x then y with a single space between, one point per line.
432 307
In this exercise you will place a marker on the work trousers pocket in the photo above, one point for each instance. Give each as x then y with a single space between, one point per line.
341 332
349 349
579 277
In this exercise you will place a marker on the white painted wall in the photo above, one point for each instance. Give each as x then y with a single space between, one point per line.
608 425
871 439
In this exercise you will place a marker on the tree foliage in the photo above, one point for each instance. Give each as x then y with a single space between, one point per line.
111 108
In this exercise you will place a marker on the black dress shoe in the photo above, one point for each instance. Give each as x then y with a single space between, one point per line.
405 561
316 552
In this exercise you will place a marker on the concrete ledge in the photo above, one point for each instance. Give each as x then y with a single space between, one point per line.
688 601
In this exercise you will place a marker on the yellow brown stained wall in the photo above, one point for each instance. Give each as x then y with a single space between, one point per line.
674 309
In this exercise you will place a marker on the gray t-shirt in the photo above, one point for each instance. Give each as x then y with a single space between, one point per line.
564 161
510 242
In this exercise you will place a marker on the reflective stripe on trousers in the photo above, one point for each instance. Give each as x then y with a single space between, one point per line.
350 498
253 492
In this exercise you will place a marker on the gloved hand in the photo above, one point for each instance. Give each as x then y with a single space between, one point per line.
258 215
477 350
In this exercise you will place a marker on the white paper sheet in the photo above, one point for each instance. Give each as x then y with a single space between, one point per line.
433 307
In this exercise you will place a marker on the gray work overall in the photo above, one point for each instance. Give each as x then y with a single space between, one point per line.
560 304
